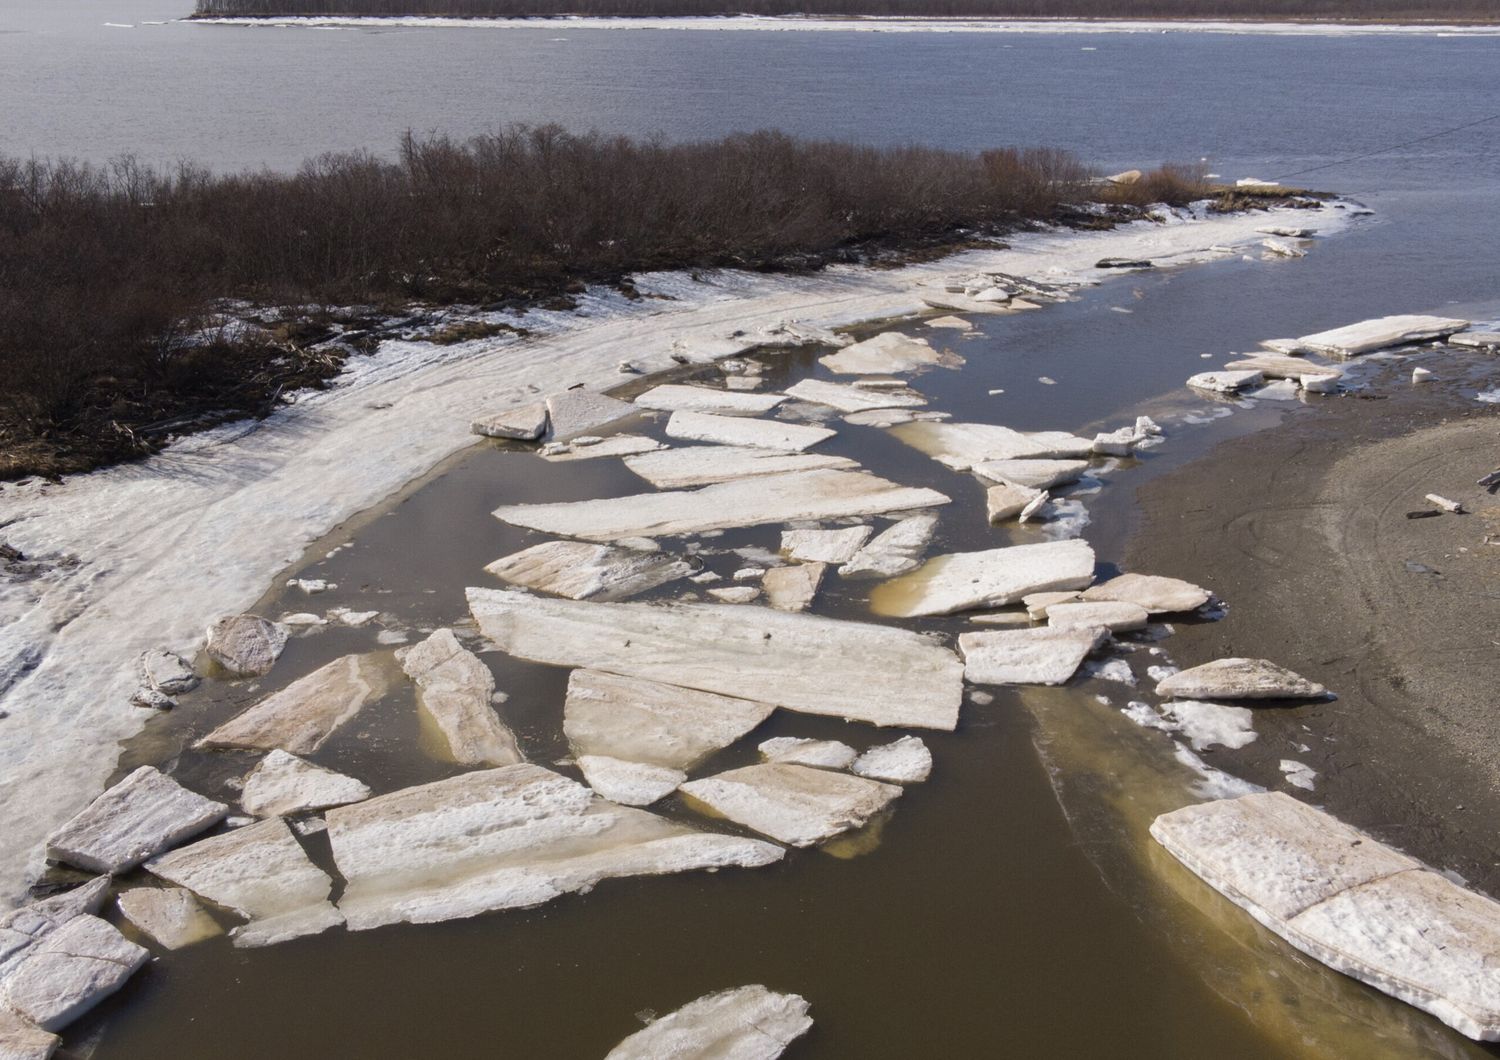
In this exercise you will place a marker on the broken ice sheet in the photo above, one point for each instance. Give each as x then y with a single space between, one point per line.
583 571
795 804
700 465
965 581
961 446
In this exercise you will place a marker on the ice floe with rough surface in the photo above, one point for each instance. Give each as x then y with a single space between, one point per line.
1381 333
629 783
903 761
583 571
455 694
575 412
506 838
1282 366
701 465
895 550
746 1023
1154 592
1036 473
70 971
760 434
616 445
302 716
524 423
282 784
1240 679
1114 615
170 916
848 398
824 546
889 353
1027 656
144 814
793 588
786 497
1225 382
261 873
674 397
1298 774
961 446
793 804
806 663
824 754
245 645
964 581
1007 500
1348 900
1211 724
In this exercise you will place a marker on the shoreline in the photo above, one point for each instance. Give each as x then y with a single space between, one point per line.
869 24
145 555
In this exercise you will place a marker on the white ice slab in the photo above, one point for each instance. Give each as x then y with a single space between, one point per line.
806 663
747 1023
1157 594
1007 500
788 497
20 1039
245 645
171 916
1282 366
144 814
963 445
629 783
575 412
282 785
525 422
302 716
964 581
700 465
1225 382
824 546
903 761
759 434
794 804
848 398
614 445
583 571
1380 333
1117 616
1026 656
822 754
1349 901
889 353
793 588
70 971
1240 679
1038 474
1212 724
895 550
260 872
673 397
455 693
505 838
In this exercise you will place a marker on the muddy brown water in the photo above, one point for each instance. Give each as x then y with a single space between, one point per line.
1010 906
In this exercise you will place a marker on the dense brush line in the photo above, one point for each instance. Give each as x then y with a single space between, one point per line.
105 269
1481 10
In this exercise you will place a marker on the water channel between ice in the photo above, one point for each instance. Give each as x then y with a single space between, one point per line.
978 919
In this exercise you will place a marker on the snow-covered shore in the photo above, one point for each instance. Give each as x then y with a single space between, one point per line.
146 555
808 24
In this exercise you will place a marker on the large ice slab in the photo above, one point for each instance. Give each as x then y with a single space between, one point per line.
648 721
788 497
1027 656
70 971
699 465
144 814
759 434
583 571
1037 473
795 804
963 445
848 398
674 397
22 928
1157 594
824 546
964 581
524 422
895 550
1350 901
260 872
454 693
505 838
792 588
282 785
302 716
806 663
1380 333
169 915
746 1023
1240 679
889 353
575 412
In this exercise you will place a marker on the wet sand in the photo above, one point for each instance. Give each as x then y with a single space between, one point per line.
1302 529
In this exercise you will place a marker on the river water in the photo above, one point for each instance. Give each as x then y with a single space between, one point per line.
983 922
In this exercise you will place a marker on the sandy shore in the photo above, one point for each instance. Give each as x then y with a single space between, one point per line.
1303 530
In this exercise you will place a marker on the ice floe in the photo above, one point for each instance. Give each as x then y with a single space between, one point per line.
848 398
1007 500
506 838
1348 900
170 916
888 353
1282 366
1117 616
1380 333
963 445
824 754
454 694
583 571
302 716
793 588
1037 473
964 581
1298 774
575 412
793 804
824 546
1225 382
1211 724
786 497
525 423
895 550
736 594
903 761
282 784
1239 679
805 663
615 445
673 397
245 645
259 872
629 783
144 814
1027 656
20 1039
760 434
1154 592
746 1023
701 465
70 971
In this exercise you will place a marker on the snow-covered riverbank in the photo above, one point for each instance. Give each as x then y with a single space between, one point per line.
146 555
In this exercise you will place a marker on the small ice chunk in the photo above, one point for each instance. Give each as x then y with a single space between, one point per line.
824 754
283 784
793 588
1155 593
825 546
1226 382
169 915
903 761
1027 656
1298 775
525 422
1239 679
629 783
245 645
747 1023
793 804
1212 724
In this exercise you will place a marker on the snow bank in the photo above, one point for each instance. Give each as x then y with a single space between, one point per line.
146 555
